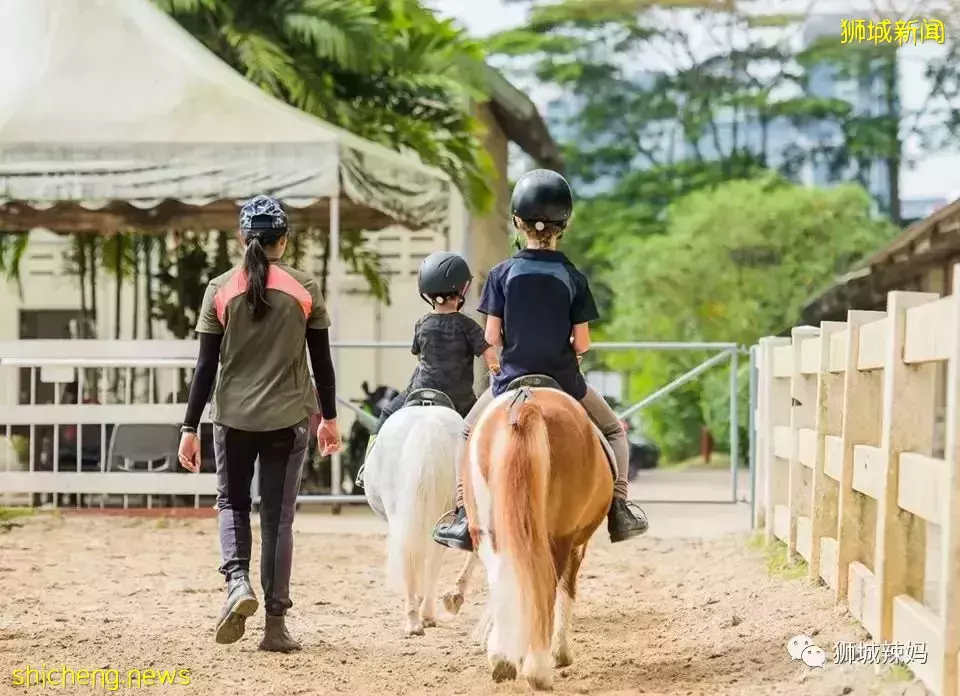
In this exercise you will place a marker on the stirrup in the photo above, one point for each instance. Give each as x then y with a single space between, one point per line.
359 480
637 512
452 514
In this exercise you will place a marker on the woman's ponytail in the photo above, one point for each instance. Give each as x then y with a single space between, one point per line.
263 223
256 265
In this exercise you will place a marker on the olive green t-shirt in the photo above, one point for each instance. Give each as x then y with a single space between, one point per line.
264 383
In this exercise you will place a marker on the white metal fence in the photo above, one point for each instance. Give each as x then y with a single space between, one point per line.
60 419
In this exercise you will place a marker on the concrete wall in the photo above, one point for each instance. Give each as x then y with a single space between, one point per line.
484 240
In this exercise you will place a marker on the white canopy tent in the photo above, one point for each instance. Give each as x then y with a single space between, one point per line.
108 104
111 100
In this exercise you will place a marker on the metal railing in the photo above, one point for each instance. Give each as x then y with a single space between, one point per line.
125 367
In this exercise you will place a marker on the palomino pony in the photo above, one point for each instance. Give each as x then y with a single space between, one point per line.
409 480
539 484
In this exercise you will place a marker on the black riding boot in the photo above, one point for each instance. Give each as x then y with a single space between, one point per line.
454 534
241 604
275 636
623 523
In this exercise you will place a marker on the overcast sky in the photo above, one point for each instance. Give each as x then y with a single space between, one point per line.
480 17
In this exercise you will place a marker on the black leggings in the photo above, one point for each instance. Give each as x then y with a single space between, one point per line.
282 454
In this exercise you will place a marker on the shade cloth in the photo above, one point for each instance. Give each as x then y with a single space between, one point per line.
112 100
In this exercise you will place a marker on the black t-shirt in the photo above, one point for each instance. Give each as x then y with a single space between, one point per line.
447 345
540 296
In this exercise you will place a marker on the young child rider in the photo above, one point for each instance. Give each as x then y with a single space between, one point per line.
538 306
445 340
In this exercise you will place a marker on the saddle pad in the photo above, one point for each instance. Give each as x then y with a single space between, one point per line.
611 459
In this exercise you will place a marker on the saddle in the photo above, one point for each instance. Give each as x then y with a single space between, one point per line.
527 382
428 397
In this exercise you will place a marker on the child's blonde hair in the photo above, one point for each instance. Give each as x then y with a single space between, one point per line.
543 232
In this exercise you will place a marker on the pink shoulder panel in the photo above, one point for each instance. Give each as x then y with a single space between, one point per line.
277 279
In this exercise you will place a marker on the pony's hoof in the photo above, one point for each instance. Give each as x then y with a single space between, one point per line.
429 623
415 630
538 672
540 682
452 602
562 658
502 669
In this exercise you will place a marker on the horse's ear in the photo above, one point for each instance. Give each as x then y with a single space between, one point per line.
366 387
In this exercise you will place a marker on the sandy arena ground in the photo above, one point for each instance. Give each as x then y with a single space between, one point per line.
666 614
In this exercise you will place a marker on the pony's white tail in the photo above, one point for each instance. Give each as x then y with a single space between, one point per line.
518 487
426 491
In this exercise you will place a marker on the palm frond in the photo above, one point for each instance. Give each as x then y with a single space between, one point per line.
13 246
264 61
186 6
341 31
388 70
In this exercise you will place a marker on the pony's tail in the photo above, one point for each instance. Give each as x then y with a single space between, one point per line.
428 482
518 487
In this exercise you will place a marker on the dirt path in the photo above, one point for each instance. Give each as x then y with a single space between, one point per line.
669 616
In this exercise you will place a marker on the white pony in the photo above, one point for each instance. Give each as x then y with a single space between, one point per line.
409 481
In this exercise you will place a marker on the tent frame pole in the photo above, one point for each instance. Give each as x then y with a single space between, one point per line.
333 302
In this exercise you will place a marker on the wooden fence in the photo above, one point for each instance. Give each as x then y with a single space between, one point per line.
859 474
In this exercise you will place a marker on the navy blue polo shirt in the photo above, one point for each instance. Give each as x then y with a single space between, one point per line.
539 295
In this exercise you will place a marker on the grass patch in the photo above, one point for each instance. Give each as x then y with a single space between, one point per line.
898 673
720 461
775 556
8 513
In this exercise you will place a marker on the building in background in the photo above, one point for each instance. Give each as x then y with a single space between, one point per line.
923 175
47 303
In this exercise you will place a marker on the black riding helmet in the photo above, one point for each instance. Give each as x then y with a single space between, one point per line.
542 196
443 274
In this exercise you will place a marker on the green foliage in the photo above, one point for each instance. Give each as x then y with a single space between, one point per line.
775 558
758 250
387 70
181 282
736 263
714 401
12 248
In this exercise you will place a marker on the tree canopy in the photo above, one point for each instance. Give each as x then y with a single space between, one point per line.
737 262
388 70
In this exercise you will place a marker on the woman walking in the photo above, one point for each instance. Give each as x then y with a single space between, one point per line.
256 322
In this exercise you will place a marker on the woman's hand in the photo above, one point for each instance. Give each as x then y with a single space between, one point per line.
328 437
189 452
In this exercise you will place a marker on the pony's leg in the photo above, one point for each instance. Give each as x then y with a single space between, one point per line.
563 615
538 665
411 573
453 601
505 641
431 575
